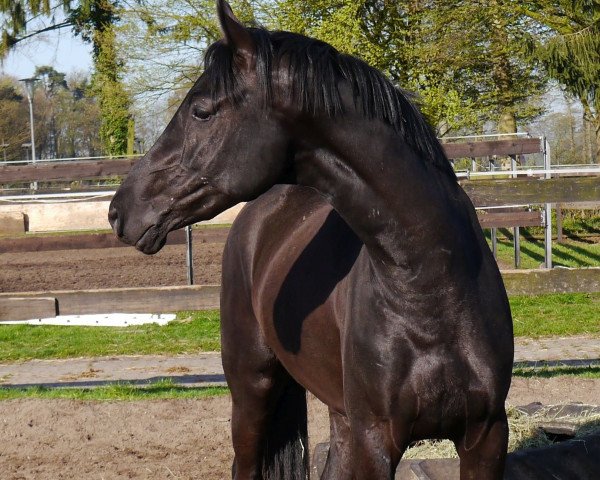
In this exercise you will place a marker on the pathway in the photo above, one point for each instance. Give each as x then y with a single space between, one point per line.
205 368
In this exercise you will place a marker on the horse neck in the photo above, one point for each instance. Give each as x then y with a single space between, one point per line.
389 196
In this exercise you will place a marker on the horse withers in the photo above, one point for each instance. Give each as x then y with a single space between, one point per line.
358 271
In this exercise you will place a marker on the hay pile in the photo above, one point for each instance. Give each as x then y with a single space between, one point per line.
525 432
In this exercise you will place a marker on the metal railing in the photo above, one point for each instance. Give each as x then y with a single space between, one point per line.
70 159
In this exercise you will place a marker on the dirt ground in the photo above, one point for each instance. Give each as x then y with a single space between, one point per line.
162 439
166 439
107 268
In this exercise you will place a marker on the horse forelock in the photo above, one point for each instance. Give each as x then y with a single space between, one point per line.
315 69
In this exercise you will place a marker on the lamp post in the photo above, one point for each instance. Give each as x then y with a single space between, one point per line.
29 82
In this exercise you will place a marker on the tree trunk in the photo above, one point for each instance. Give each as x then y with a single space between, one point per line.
591 127
502 72
595 122
587 139
507 122
572 129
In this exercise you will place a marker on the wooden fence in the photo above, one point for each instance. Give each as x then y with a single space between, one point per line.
98 169
525 191
26 305
62 171
483 193
41 243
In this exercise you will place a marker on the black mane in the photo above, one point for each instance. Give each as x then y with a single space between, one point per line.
316 69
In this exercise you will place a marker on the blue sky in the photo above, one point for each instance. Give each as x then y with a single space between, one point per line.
58 49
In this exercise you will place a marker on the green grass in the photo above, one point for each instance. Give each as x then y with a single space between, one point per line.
61 233
556 314
579 222
116 392
547 371
191 332
167 389
569 254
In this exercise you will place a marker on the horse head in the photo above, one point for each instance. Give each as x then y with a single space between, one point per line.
224 145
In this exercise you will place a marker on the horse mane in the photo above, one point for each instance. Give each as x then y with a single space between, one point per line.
316 68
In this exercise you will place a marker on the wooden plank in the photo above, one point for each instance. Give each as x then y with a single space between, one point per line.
55 171
582 205
517 146
557 280
203 297
73 242
510 219
59 242
131 300
100 240
525 191
26 308
45 172
55 187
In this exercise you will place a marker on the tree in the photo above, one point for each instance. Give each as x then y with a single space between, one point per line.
565 135
114 100
568 47
79 119
53 83
94 20
164 42
67 117
14 121
461 59
16 17
386 35
510 79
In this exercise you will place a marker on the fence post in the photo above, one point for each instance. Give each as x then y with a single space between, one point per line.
547 208
493 230
189 257
516 230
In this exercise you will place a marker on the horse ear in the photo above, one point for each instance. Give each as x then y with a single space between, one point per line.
236 35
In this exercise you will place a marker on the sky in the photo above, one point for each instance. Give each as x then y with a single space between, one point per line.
59 49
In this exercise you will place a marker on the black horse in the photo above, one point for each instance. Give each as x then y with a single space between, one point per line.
359 273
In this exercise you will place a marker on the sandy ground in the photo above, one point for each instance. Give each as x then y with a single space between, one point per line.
162 439
165 439
107 268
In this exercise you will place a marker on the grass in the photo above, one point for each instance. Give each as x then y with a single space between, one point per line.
552 371
163 389
556 314
59 233
579 222
571 253
190 332
167 389
193 332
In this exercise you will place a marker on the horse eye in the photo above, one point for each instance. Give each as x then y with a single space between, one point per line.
200 114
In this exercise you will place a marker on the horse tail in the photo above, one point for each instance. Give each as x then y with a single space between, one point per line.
285 453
